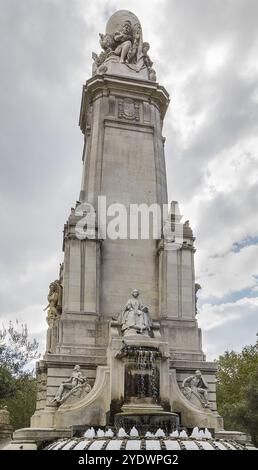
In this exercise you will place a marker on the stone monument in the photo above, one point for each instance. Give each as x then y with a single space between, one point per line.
144 364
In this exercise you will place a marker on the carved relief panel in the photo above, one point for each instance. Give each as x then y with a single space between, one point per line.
128 109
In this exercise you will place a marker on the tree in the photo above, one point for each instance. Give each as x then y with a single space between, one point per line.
237 390
245 413
7 383
16 351
17 382
22 405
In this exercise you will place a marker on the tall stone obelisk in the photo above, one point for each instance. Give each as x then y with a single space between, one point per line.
121 118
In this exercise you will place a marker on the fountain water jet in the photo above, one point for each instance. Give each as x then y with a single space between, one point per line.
141 407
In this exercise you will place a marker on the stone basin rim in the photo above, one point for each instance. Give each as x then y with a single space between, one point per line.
146 413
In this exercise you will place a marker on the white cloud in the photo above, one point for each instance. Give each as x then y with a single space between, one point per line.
228 326
34 317
212 316
230 273
215 57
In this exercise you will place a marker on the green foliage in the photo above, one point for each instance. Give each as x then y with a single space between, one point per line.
237 390
17 383
7 383
22 405
16 351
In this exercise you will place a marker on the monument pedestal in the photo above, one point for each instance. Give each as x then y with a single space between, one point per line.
137 367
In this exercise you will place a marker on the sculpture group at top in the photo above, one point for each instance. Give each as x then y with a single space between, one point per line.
123 43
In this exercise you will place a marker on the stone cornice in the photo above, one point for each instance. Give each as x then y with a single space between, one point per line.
103 85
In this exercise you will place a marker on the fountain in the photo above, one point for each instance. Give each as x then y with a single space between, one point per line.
142 407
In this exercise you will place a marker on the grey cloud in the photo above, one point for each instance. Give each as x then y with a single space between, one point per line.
223 212
42 58
232 336
227 96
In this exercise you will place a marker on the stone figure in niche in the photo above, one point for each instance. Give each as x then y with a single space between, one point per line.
54 306
54 310
195 385
71 385
135 317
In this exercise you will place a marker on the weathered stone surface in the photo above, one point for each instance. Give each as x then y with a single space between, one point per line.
121 117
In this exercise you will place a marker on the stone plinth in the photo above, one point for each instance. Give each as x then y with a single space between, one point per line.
5 427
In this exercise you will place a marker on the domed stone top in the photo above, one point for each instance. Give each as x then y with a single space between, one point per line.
117 20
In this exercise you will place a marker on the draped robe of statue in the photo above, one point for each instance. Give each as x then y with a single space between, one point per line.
135 318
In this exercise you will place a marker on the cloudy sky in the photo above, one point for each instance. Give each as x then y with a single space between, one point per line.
206 55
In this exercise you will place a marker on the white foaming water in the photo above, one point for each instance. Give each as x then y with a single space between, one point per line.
109 433
90 433
207 434
195 433
160 433
183 434
121 433
175 434
100 433
134 432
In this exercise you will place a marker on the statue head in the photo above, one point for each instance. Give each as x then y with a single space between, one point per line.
135 293
198 374
137 28
127 27
106 41
76 368
53 286
145 47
